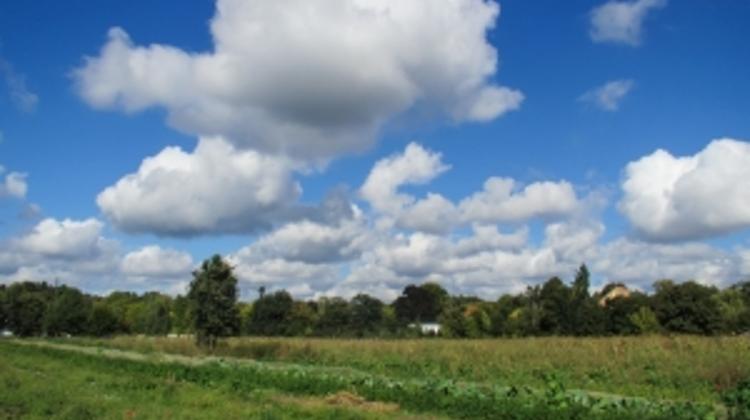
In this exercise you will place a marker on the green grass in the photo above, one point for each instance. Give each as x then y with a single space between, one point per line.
682 368
41 383
244 378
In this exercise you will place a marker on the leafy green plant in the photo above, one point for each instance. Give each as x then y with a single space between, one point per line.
737 400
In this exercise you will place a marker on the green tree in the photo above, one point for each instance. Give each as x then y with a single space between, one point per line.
687 308
453 324
527 318
581 283
619 311
180 315
500 313
555 297
734 307
645 321
153 316
366 315
585 317
478 320
301 319
68 313
334 317
3 315
26 304
270 314
102 320
390 322
420 303
122 305
213 298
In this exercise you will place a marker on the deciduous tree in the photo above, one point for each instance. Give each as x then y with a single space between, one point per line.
213 298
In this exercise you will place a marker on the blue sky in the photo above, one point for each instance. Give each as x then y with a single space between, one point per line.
560 106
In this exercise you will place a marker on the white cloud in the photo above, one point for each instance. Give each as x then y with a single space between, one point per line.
214 189
692 197
489 249
71 251
502 200
64 239
434 214
309 242
414 166
609 96
303 256
404 242
76 253
575 241
154 261
310 80
622 21
279 273
20 95
486 261
640 263
14 185
489 238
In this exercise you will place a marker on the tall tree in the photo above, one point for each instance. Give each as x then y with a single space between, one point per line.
301 319
585 316
334 317
687 308
619 313
102 320
121 304
26 304
3 316
555 297
67 313
213 298
270 314
420 303
367 314
581 283
153 315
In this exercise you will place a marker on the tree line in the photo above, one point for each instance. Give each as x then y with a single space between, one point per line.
211 310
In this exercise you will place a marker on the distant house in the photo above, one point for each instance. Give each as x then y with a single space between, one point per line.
427 328
612 292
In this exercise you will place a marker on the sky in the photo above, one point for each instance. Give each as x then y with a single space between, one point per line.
358 146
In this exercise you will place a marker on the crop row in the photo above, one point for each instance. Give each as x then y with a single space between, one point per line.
457 399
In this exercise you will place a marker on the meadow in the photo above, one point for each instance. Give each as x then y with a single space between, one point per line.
679 367
44 383
622 377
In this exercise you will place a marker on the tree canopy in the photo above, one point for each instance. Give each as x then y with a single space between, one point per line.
213 299
211 310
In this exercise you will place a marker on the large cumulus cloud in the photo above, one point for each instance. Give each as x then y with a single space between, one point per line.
214 189
77 253
310 80
502 200
669 198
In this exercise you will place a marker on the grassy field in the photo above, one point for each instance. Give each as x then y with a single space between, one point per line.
43 383
130 377
685 368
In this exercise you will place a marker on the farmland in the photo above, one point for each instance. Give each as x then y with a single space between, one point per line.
645 377
44 383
